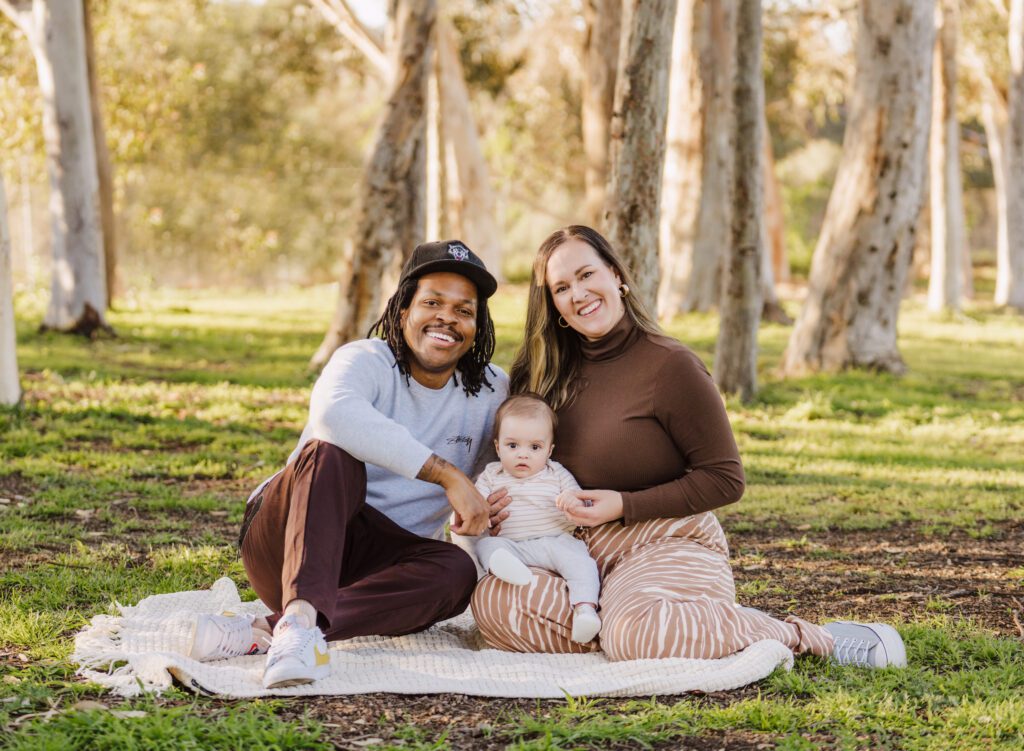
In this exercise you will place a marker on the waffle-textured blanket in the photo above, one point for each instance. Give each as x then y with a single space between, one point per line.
144 649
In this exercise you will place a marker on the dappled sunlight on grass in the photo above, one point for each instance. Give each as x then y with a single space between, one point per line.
125 470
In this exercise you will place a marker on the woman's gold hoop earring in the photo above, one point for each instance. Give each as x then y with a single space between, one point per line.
623 290
563 323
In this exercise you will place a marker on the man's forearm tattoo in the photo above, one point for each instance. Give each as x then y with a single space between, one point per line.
432 469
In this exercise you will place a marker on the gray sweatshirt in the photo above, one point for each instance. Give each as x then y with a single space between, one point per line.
362 404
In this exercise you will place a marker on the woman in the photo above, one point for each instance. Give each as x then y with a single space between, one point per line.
643 429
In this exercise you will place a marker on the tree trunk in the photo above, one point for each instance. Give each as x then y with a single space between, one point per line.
736 349
637 153
435 226
478 225
56 35
10 387
860 262
774 217
104 168
1010 284
947 209
680 191
392 211
600 60
714 216
994 117
773 257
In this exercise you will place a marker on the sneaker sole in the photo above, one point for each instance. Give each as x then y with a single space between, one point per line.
892 642
297 678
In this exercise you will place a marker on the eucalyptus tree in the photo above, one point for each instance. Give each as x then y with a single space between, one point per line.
637 152
860 262
392 197
603 20
1010 282
56 34
10 387
948 235
741 298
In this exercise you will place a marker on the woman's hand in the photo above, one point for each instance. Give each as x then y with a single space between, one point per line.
498 500
588 508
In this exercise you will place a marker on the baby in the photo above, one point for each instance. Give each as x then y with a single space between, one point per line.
536 533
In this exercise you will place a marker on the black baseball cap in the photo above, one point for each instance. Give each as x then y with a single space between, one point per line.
453 256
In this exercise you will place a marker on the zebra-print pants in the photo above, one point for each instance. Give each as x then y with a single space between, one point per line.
667 591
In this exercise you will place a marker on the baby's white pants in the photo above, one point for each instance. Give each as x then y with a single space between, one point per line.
562 553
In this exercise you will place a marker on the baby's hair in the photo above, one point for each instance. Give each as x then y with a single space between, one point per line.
527 404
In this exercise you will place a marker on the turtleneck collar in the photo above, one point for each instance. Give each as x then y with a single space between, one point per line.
614 343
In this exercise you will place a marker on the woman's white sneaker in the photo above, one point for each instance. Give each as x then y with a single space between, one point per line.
867 645
218 637
298 654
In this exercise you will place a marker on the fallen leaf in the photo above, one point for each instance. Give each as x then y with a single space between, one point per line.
87 705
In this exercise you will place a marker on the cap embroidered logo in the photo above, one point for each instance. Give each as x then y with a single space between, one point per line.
458 251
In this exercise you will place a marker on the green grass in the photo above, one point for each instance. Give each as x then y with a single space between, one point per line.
125 470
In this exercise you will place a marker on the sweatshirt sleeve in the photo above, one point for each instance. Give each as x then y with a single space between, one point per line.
690 409
342 412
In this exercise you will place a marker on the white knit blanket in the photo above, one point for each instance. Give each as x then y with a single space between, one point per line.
143 649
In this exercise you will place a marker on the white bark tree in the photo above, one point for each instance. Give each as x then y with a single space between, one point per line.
393 194
681 186
994 118
774 262
860 262
470 181
10 387
948 233
56 35
1010 283
714 217
104 167
459 189
741 302
603 20
637 153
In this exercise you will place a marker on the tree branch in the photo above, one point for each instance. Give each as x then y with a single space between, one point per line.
18 13
340 16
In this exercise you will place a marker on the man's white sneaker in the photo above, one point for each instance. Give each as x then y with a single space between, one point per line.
585 623
867 645
297 655
218 637
509 569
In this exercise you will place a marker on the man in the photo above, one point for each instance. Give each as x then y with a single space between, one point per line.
347 539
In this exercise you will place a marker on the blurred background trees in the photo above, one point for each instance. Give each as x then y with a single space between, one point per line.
240 135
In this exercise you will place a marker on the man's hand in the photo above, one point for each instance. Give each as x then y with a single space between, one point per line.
588 508
471 510
498 500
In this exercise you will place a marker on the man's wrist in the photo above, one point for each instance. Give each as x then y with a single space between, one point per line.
436 470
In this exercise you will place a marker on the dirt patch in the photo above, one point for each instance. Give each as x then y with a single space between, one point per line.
891 575
479 724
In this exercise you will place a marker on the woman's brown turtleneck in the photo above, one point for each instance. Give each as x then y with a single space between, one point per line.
648 421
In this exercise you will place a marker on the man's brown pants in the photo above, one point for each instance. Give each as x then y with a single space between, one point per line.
310 535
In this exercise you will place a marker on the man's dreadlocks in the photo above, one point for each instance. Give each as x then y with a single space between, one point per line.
472 365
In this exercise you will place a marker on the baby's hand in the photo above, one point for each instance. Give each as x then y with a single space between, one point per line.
568 502
588 508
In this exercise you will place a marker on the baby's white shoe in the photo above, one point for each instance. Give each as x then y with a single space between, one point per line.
585 623
509 569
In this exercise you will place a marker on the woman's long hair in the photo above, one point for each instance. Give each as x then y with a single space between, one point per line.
548 362
472 365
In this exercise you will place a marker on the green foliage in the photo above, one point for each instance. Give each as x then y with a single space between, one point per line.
154 728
